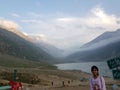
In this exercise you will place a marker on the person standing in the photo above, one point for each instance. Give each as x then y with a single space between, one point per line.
97 82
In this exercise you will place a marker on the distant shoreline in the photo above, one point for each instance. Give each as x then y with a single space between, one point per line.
85 67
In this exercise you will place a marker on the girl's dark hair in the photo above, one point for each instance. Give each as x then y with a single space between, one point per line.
94 67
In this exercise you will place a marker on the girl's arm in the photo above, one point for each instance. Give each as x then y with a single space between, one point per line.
103 84
91 87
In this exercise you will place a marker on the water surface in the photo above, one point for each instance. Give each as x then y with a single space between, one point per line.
86 67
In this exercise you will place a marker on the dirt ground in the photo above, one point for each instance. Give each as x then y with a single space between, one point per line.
61 80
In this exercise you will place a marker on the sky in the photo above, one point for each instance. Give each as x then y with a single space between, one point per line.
66 24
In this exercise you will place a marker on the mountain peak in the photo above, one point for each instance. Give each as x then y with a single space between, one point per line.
104 39
11 27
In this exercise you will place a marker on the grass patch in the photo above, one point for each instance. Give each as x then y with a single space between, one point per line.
11 62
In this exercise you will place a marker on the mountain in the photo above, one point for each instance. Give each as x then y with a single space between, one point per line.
47 47
17 32
101 48
15 43
104 39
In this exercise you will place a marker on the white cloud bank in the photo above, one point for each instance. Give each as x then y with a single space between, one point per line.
66 32
7 24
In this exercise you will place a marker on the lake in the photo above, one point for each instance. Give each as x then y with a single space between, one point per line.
86 67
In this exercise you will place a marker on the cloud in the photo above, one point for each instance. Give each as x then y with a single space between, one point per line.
102 19
39 37
68 31
69 20
16 15
25 33
8 24
30 21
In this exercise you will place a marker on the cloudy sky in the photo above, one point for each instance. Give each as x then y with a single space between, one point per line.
63 23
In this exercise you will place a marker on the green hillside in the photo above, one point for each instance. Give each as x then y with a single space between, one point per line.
12 62
12 44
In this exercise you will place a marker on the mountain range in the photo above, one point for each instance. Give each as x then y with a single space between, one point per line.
101 48
33 48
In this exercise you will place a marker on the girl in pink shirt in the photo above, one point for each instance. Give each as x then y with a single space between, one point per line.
96 82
